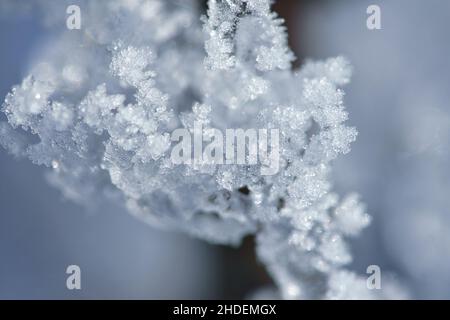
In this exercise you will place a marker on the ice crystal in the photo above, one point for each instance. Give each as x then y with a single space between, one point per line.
100 108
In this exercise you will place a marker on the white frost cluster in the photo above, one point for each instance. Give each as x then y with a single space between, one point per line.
100 106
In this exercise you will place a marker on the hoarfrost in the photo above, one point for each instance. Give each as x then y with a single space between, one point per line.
102 123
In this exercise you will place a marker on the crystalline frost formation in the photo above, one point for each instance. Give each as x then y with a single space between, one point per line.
100 106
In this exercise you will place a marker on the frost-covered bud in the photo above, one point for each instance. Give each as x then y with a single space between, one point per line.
96 109
26 101
131 65
351 216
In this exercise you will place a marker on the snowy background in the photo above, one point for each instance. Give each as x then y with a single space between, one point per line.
400 164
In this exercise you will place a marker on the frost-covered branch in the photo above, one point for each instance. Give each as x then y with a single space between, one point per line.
100 106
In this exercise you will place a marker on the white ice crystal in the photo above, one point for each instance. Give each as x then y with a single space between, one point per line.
101 116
